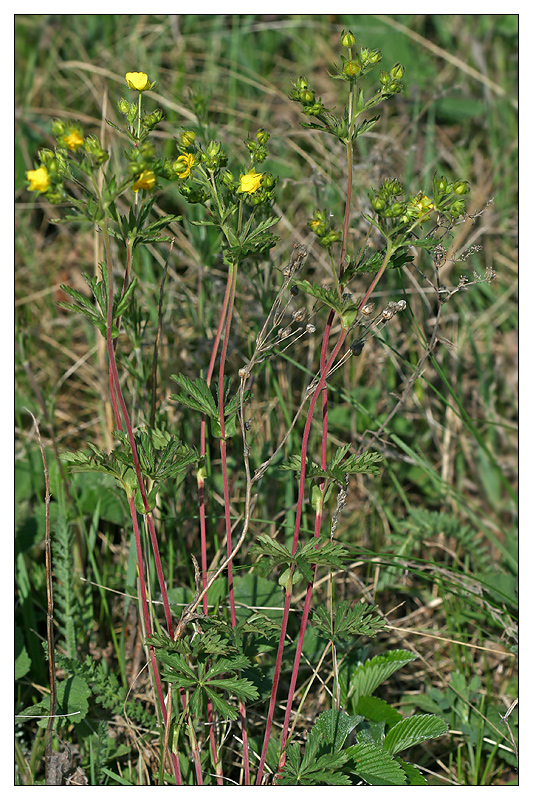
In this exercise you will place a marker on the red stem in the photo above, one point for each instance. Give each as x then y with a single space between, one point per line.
305 440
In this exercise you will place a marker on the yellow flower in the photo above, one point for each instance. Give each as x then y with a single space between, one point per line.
39 179
138 81
250 182
72 140
146 180
183 165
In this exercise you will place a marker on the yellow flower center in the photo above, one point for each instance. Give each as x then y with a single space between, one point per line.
250 182
183 165
39 179
146 180
138 81
73 140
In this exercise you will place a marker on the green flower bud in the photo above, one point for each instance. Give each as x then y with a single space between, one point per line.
378 203
123 106
461 187
301 84
268 181
351 68
228 180
397 209
58 127
307 97
440 185
187 138
347 39
384 77
375 57
397 72
262 136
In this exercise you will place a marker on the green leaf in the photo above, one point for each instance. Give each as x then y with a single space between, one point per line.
347 622
196 394
414 730
327 296
334 726
377 710
372 673
414 776
375 766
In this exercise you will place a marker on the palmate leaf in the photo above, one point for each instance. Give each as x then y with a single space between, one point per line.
375 766
313 770
371 264
336 470
328 553
327 296
413 730
195 394
347 622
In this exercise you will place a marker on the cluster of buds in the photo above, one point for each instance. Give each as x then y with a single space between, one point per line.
303 94
356 64
148 121
449 196
390 203
256 146
320 224
390 81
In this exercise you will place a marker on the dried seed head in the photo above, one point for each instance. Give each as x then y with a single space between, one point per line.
401 305
387 313
310 328
299 315
295 290
243 372
368 309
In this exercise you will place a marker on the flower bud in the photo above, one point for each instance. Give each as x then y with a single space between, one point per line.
397 72
351 68
378 203
347 39
228 180
58 127
461 187
440 184
123 106
187 138
374 57
262 136
268 181
307 97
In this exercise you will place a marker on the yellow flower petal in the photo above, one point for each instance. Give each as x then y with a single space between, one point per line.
183 165
39 179
250 182
138 81
146 180
73 140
